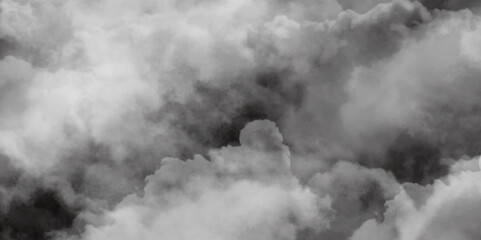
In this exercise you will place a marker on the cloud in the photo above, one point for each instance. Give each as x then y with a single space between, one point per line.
244 192
446 210
377 102
411 89
357 194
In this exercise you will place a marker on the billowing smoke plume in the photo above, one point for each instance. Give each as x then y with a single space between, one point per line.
240 119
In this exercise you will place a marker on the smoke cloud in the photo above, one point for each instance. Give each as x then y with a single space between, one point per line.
240 119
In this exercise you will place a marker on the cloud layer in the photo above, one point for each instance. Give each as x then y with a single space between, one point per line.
239 119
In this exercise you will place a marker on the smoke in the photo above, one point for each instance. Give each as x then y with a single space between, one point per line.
239 119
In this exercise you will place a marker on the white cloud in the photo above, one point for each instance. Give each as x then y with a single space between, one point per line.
244 192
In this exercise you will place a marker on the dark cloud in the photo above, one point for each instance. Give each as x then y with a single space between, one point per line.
450 4
36 217
414 160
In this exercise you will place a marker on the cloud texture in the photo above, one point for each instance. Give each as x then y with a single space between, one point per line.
240 119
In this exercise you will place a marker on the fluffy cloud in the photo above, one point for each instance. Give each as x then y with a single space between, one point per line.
244 192
357 194
421 88
377 102
448 209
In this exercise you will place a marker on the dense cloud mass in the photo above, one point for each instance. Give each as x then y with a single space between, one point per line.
244 192
240 119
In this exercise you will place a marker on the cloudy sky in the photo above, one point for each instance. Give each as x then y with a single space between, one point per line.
240 119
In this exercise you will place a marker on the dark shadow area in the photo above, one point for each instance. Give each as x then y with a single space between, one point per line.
411 159
35 218
450 4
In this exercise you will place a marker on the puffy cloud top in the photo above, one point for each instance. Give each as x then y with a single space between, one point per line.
240 119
